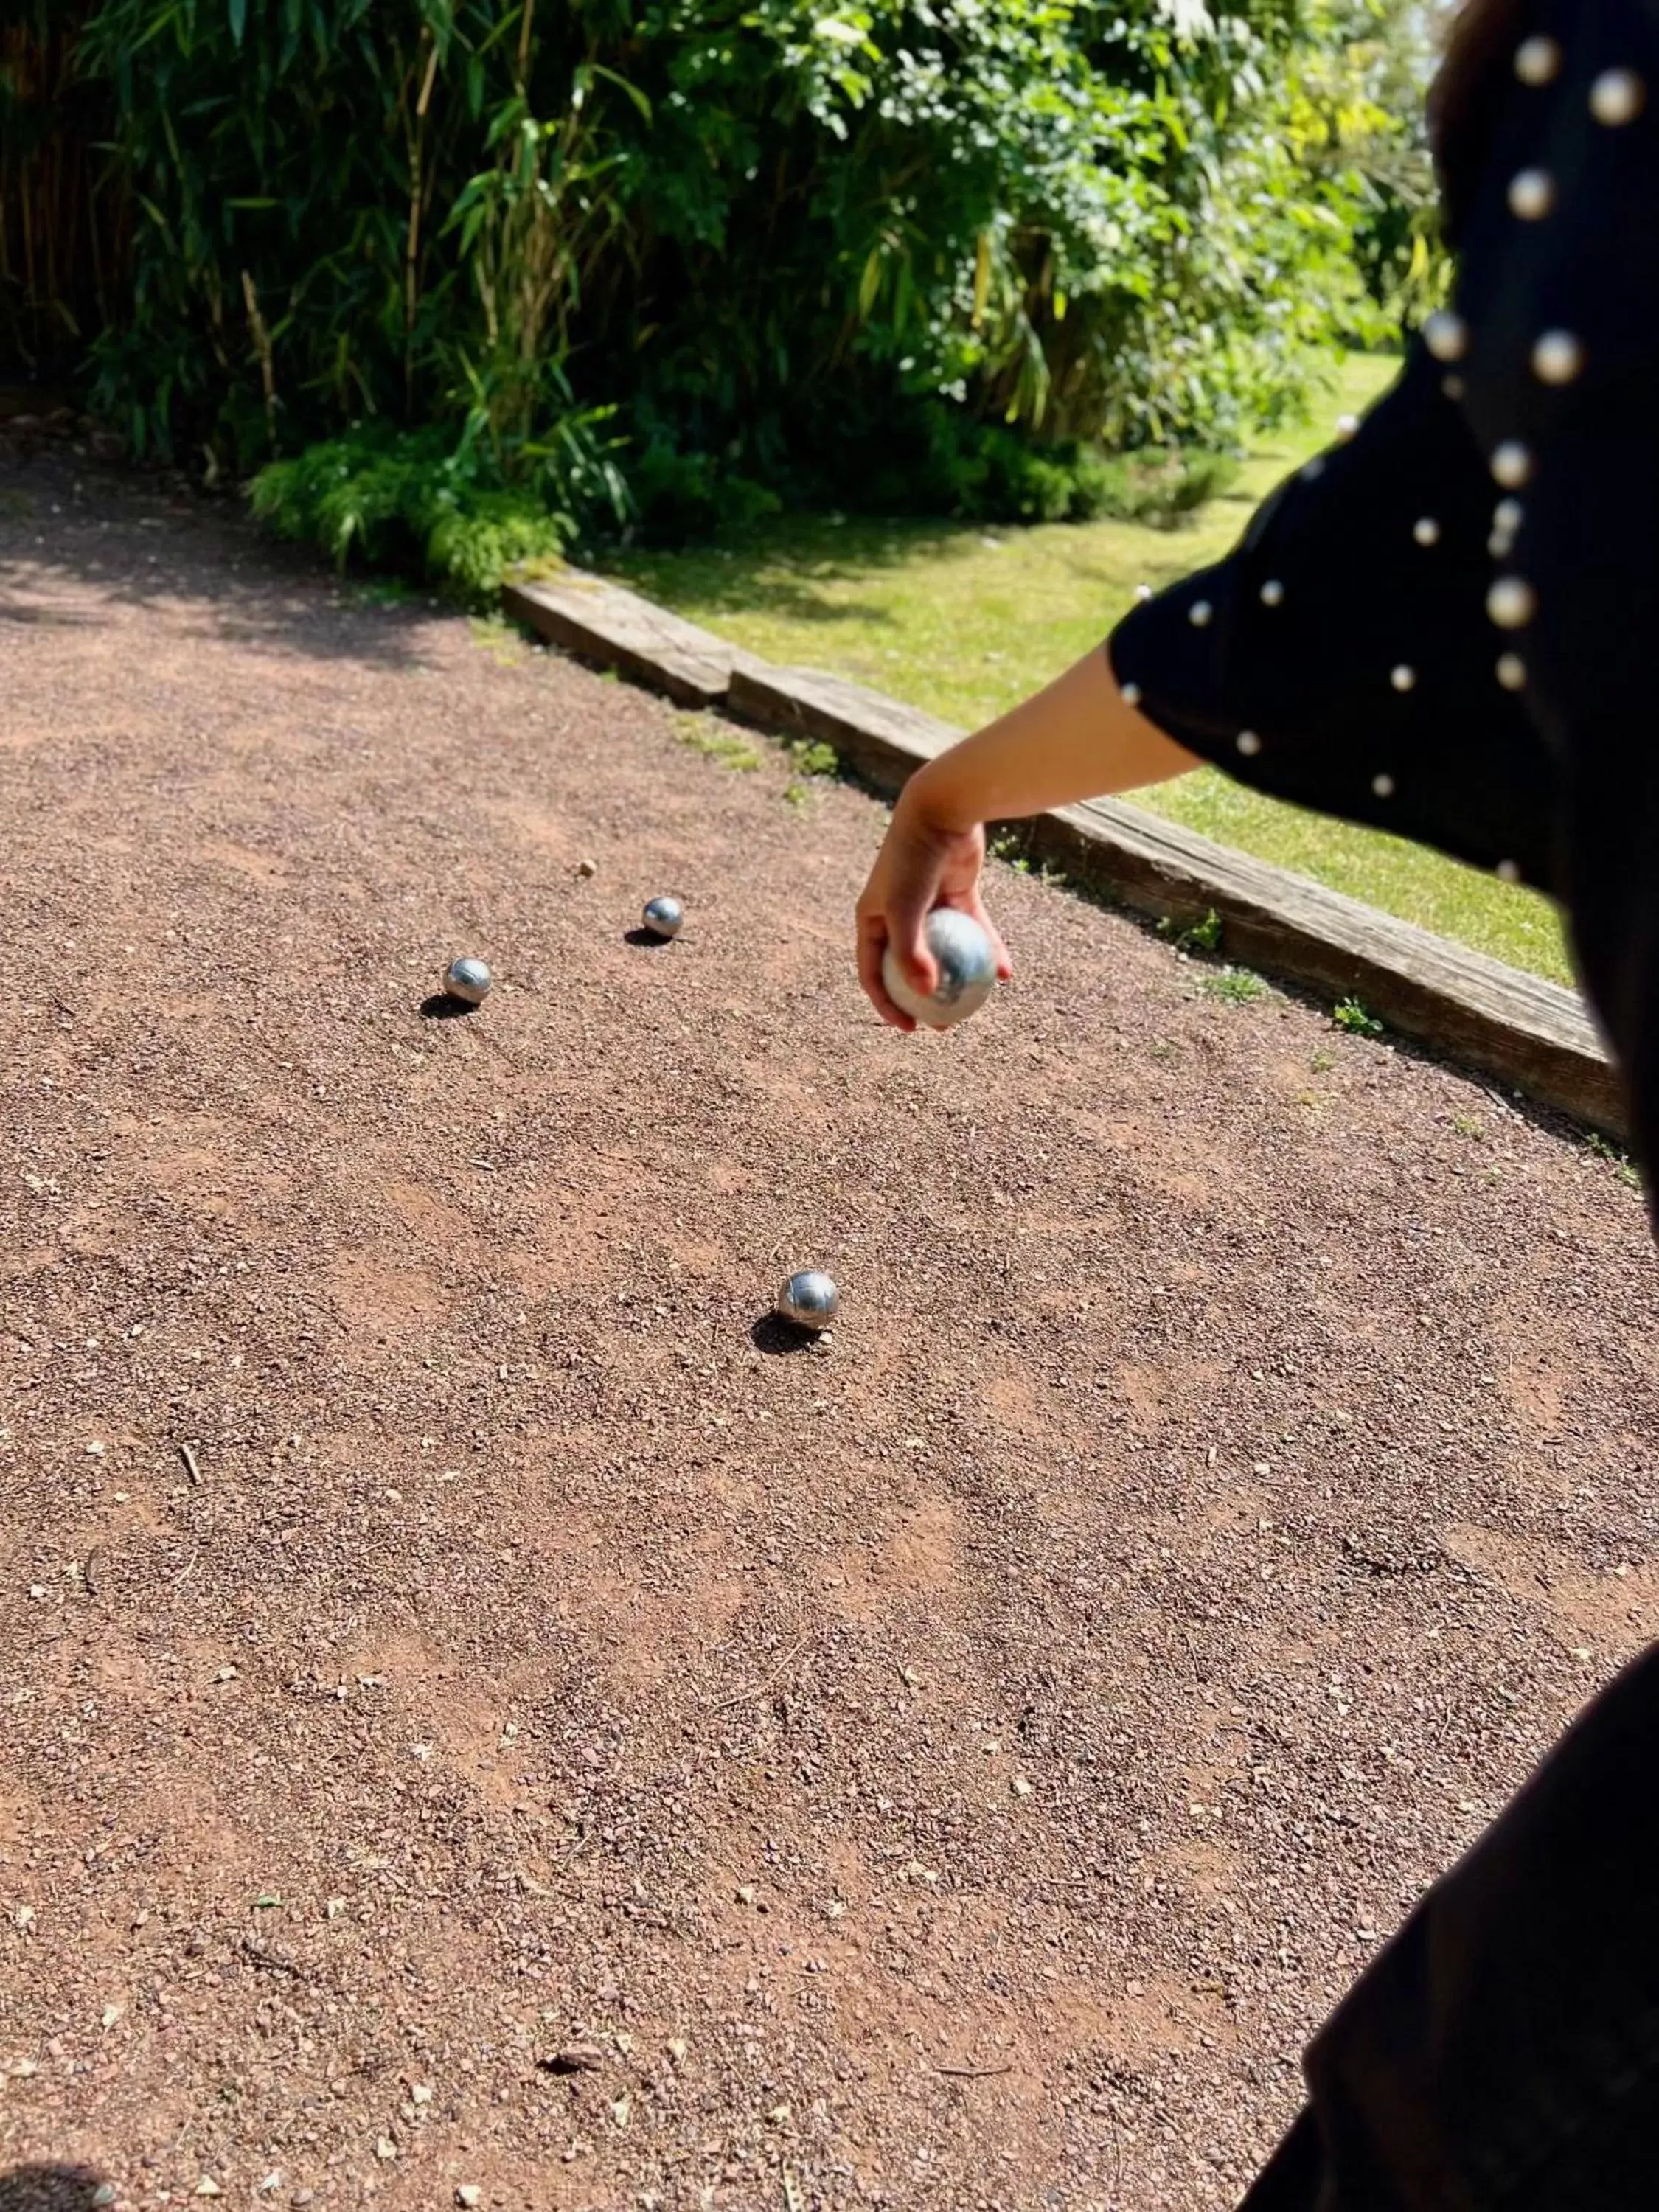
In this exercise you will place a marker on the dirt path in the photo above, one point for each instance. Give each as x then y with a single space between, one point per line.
952 1767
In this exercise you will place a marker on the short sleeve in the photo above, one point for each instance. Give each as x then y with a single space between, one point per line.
1344 657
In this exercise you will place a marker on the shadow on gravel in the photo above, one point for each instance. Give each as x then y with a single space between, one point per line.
54 2188
73 532
440 1007
648 938
773 1334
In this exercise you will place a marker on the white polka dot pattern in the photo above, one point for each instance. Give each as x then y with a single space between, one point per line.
1511 603
1618 96
1557 357
1532 194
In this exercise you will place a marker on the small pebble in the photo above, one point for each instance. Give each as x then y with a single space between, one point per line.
468 2193
574 2058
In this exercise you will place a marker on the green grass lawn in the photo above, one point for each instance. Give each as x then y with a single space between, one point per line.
963 621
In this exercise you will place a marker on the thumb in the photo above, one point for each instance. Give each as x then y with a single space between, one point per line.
907 921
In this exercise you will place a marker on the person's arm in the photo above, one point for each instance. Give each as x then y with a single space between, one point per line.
1078 738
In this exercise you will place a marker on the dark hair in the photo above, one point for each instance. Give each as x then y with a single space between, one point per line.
1461 99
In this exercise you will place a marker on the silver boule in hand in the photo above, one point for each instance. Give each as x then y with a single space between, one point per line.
808 1299
469 981
663 916
967 971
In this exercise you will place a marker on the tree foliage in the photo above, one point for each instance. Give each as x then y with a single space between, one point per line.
826 245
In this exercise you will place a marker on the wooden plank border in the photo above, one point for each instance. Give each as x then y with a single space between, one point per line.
1518 1028
601 623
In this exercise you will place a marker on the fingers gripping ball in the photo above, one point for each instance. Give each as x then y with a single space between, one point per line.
967 971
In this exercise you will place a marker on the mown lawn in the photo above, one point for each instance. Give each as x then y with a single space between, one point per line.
963 621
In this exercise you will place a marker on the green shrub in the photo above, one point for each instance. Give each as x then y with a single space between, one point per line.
415 504
680 496
958 250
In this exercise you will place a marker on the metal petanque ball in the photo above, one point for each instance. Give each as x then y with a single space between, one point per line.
809 1300
469 981
663 916
967 971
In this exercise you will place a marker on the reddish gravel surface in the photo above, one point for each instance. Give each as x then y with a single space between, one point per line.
555 1744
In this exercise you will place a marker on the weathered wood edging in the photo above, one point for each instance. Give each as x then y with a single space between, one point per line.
1526 1032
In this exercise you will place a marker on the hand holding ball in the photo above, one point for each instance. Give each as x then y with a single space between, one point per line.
967 971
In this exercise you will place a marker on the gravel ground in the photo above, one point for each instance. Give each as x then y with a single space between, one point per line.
480 1714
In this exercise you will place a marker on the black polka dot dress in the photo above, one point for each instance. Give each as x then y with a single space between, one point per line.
1447 625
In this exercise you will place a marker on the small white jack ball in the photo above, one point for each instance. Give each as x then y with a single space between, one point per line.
1446 335
1199 614
469 981
1272 593
663 917
1404 678
1347 426
1426 531
809 1300
967 971
1511 464
1511 671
